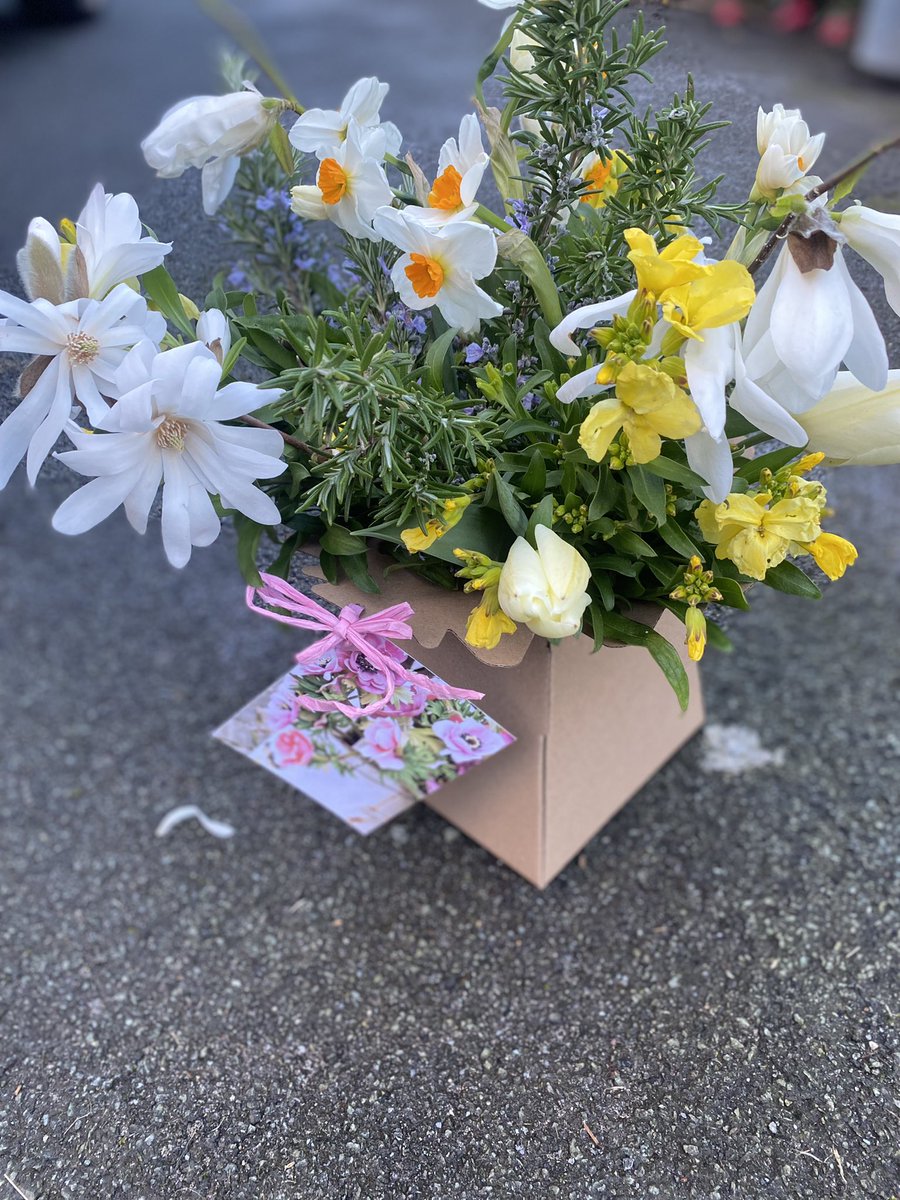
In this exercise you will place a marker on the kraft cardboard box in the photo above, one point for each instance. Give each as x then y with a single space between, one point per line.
591 729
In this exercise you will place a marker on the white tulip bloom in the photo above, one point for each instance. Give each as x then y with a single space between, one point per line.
167 429
461 168
351 184
803 326
439 266
112 246
787 150
854 426
875 236
83 343
322 131
210 133
545 589
214 332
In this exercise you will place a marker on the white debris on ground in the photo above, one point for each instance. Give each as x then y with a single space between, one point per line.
733 749
187 812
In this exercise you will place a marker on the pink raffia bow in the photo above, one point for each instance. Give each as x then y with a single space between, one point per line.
349 628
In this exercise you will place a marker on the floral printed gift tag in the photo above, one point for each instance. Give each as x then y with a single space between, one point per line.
365 770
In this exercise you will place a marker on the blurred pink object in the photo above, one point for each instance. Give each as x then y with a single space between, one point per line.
793 16
728 14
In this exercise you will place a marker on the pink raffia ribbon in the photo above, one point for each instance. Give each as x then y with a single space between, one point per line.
349 628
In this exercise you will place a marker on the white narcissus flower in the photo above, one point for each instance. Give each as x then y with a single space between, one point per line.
545 589
322 131
787 150
350 186
803 325
875 236
112 246
210 133
439 266
214 332
854 426
167 429
461 168
81 344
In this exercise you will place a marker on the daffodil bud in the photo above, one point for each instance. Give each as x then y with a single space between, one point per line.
545 588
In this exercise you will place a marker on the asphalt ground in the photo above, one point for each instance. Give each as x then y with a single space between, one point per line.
703 1006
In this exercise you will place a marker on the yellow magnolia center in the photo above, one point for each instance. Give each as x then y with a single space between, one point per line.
170 435
446 193
333 182
425 274
82 348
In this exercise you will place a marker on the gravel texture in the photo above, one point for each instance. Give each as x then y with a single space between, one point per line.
703 1006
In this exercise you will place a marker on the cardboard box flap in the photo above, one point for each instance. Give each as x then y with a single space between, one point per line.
437 610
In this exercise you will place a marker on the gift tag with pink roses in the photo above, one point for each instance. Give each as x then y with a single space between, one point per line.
366 769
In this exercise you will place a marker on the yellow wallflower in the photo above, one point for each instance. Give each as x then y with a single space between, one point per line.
754 536
721 297
488 622
415 539
833 554
648 405
659 270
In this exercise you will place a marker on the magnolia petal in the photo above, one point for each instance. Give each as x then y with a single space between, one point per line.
583 384
217 179
140 499
50 430
20 426
710 368
867 356
812 319
711 458
176 517
91 504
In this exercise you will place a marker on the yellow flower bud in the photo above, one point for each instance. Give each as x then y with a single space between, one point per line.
833 554
695 624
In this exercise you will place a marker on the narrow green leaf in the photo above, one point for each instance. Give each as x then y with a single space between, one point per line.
787 577
534 481
542 515
510 507
675 537
248 536
667 658
675 472
357 568
340 541
752 468
159 286
732 592
282 149
436 358
596 619
650 491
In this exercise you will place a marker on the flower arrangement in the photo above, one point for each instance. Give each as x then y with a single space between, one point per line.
527 372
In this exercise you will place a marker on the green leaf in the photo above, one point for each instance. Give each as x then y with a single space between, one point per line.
596 617
732 592
542 515
340 541
159 286
482 529
518 248
754 467
675 472
675 537
437 356
232 356
282 564
489 66
650 490
248 536
787 577
667 658
357 568
330 567
626 541
509 506
534 481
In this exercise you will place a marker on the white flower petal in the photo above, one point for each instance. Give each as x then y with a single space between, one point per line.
586 318
711 458
91 504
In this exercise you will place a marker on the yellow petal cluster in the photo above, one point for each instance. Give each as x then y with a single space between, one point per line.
757 535
833 554
488 622
694 295
648 406
416 540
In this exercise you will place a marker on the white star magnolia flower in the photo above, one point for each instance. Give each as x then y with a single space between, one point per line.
461 167
439 267
167 428
84 341
112 246
322 131
350 185
500 4
787 150
210 133
803 326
